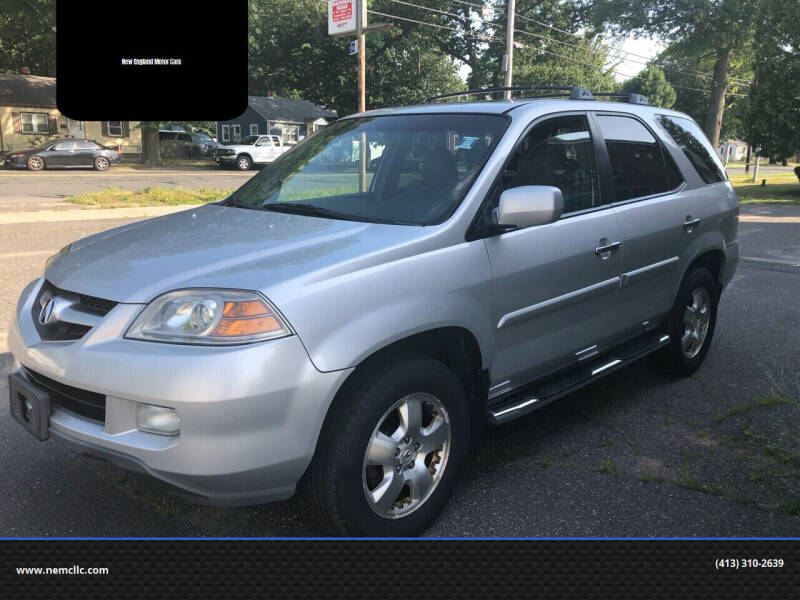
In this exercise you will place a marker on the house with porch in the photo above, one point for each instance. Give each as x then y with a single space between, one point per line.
29 118
292 120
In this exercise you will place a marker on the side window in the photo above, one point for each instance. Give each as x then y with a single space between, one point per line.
639 166
558 153
64 146
695 146
84 145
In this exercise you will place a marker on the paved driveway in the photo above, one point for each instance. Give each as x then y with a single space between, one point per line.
637 454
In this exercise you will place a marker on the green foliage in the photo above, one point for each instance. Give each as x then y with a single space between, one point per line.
27 36
292 55
719 29
652 83
561 60
683 64
775 96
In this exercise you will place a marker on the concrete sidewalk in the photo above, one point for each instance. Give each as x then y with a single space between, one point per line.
89 214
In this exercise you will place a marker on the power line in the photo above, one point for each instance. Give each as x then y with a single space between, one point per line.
649 60
611 47
492 38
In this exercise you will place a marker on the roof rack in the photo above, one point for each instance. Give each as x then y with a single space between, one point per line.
571 92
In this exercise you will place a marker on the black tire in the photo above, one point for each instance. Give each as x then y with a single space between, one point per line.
101 163
334 484
35 163
673 359
244 162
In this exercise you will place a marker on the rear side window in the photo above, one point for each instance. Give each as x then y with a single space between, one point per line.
639 165
695 146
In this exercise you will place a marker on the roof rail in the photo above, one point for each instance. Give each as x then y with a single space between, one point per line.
563 91
631 98
571 92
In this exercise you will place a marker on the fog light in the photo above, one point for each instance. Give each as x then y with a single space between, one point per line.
158 419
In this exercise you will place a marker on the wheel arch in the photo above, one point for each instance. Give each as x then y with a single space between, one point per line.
455 347
712 259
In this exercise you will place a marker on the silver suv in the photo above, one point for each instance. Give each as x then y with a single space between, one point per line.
354 316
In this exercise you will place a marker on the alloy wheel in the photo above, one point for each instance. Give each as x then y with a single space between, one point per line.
406 455
696 319
35 163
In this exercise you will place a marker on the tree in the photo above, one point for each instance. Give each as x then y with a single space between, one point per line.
27 36
651 83
682 65
775 94
717 27
292 55
548 57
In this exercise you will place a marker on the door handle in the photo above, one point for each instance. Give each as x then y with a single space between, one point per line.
691 223
607 248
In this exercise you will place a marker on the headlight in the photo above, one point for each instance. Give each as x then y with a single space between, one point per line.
61 252
213 317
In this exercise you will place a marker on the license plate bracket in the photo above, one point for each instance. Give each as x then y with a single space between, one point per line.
29 405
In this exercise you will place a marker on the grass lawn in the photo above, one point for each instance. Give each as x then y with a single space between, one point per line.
781 188
174 163
115 197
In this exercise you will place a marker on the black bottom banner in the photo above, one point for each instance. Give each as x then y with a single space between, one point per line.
396 569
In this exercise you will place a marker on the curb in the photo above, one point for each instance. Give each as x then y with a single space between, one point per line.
98 214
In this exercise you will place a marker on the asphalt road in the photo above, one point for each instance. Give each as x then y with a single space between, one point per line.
46 190
637 454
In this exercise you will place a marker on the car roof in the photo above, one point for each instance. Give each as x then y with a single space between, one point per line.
519 106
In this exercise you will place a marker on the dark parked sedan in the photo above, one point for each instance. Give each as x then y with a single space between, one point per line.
65 154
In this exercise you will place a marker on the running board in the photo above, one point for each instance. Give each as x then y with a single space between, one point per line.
540 393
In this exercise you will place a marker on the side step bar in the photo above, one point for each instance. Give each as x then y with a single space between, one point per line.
540 393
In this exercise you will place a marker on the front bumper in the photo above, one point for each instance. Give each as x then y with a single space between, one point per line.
250 414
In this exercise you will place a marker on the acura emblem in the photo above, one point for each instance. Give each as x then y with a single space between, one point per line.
47 314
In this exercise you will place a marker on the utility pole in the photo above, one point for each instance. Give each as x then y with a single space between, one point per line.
509 57
361 18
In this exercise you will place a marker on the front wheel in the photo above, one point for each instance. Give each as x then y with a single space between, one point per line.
35 163
690 324
243 163
390 454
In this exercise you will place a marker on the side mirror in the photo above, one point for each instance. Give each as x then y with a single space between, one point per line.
530 205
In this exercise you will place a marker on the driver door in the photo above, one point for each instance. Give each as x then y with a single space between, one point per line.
556 284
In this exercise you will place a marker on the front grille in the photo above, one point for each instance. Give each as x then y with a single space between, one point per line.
96 305
82 402
65 330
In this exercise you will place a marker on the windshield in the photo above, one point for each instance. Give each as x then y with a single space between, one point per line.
409 169
250 140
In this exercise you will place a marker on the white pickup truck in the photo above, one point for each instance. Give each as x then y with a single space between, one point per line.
252 150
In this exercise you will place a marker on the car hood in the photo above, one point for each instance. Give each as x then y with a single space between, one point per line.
235 146
222 247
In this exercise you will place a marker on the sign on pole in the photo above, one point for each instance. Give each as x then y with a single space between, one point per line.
353 47
341 17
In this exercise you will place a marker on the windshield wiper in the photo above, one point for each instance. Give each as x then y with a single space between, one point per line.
231 201
300 208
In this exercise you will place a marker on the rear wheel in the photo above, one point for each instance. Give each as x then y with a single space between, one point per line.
101 163
35 163
243 163
391 451
690 324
